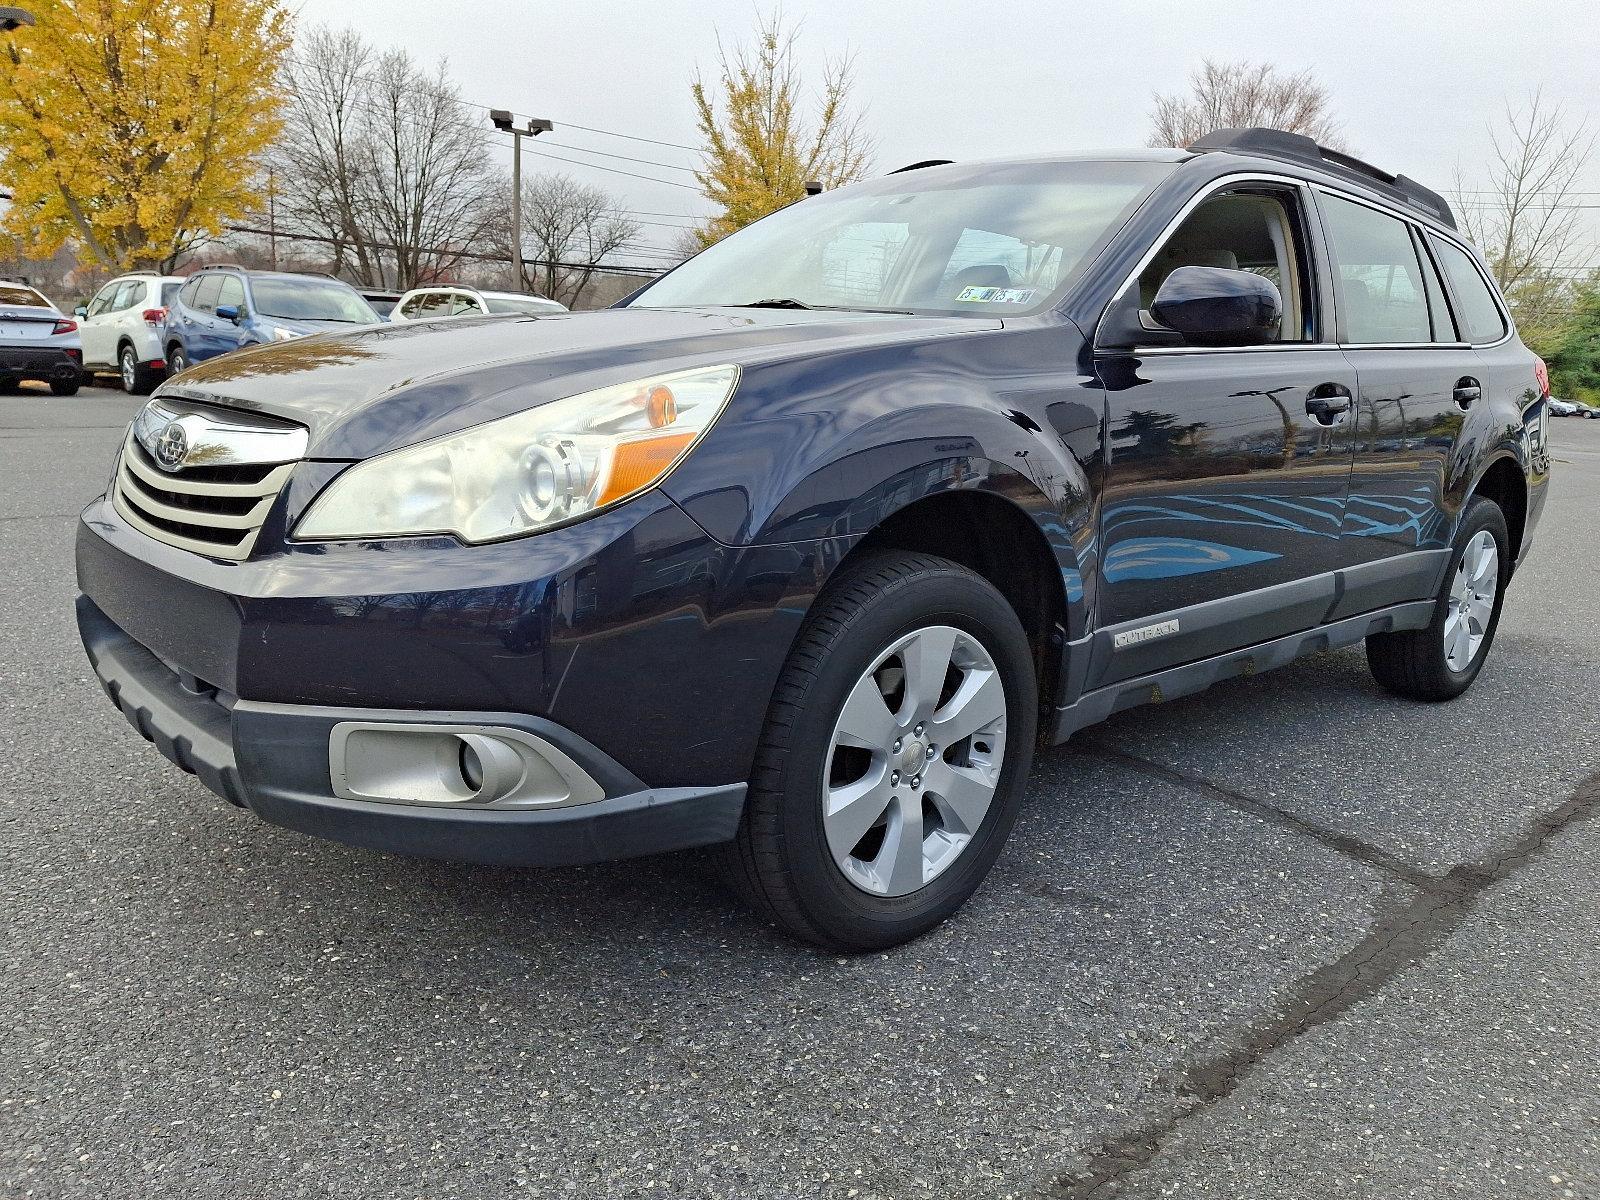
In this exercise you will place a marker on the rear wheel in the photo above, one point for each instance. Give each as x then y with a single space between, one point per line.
1441 661
65 387
137 378
177 361
893 760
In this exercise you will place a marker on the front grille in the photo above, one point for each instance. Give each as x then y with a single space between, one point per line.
216 510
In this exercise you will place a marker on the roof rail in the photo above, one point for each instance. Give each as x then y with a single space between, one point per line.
1297 148
220 266
927 162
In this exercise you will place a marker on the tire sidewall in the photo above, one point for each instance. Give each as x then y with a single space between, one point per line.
1481 515
834 904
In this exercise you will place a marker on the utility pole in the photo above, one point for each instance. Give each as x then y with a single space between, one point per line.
501 120
272 217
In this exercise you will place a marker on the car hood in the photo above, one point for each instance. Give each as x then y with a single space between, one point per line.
380 387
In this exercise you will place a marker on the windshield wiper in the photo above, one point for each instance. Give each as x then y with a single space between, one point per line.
780 302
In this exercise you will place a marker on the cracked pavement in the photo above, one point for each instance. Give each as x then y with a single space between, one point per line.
1291 937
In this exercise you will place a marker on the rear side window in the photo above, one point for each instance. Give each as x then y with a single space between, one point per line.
1381 290
1444 326
465 305
1476 311
187 295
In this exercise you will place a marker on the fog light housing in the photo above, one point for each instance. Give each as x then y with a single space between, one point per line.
456 766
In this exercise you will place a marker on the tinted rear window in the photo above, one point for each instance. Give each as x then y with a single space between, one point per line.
20 297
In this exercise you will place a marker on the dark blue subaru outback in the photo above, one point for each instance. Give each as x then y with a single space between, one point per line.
805 548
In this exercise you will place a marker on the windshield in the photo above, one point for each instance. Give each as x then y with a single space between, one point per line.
500 304
310 300
995 238
21 297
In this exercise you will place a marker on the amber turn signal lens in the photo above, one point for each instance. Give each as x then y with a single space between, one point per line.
639 463
661 406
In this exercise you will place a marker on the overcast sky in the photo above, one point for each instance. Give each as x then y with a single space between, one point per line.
1415 84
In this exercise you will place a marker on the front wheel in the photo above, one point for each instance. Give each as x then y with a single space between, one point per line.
1441 661
894 755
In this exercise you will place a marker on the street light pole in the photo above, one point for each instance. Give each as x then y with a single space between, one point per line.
501 120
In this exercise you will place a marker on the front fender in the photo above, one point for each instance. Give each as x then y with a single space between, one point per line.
829 449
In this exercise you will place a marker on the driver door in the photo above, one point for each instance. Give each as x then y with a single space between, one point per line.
1228 466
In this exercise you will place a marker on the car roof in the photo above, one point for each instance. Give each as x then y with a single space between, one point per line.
1271 150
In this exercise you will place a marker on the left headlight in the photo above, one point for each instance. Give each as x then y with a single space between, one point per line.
529 471
280 334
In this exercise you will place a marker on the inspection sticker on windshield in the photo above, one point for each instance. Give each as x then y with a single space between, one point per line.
994 295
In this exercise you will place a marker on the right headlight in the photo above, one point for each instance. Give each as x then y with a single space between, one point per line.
529 471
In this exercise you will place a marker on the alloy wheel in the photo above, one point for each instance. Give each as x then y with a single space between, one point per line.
129 369
914 761
1471 600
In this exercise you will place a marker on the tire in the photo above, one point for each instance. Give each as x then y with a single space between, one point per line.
851 899
177 361
1418 663
67 387
9 387
137 378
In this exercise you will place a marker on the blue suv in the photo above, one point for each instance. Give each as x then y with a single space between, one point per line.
228 308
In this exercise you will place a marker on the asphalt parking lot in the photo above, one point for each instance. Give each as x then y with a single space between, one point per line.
1292 937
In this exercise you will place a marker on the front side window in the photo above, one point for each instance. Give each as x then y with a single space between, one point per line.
1380 279
1256 231
1476 310
309 300
232 292
103 299
997 240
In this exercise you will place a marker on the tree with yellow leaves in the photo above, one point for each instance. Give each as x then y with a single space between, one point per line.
132 128
761 150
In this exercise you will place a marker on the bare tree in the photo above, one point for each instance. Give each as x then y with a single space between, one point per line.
569 229
1523 212
384 159
1242 94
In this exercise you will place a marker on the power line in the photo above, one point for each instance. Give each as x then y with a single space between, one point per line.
650 271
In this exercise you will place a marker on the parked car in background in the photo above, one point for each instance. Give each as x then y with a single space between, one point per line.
383 302
1562 408
37 341
1582 408
223 308
811 545
122 329
426 304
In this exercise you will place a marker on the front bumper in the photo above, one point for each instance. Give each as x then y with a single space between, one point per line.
274 760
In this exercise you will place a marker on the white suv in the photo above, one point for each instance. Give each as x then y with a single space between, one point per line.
427 303
122 329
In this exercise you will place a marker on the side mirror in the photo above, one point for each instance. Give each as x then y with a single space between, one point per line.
81 311
230 312
1213 306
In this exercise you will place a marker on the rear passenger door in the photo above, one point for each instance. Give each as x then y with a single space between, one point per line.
1414 381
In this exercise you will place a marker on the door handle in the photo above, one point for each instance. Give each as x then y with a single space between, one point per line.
1327 403
1467 390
